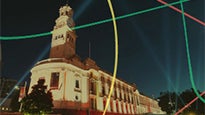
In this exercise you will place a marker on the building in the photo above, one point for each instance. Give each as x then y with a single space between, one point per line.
82 85
6 85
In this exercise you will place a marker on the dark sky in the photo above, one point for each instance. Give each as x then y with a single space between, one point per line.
152 51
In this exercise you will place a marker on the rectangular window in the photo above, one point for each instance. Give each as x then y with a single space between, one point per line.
117 108
54 80
93 103
102 79
77 84
103 90
115 95
120 92
92 87
111 105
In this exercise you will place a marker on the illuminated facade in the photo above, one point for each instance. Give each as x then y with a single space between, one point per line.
6 85
82 85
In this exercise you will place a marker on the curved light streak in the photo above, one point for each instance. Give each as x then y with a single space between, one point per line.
116 55
186 14
187 105
188 55
93 23
25 74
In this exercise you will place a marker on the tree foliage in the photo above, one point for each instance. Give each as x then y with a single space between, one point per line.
38 101
172 102
167 101
14 102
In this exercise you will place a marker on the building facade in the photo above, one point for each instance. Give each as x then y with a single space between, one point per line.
82 85
6 85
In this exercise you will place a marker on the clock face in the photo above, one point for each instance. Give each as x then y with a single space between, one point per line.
59 37
58 40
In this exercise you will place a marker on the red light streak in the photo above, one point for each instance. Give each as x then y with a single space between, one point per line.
186 14
187 105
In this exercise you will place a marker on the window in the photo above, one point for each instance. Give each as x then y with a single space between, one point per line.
66 13
54 80
115 95
92 87
102 79
103 89
93 103
109 83
132 99
125 97
77 84
62 37
111 105
120 92
122 107
117 108
104 103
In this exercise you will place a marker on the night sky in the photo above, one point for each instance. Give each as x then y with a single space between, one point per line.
152 52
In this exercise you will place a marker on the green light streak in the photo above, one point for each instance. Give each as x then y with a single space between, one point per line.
127 15
188 55
91 24
25 36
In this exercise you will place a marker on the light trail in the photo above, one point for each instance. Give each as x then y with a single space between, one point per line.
186 14
91 24
25 74
187 105
188 55
24 36
116 56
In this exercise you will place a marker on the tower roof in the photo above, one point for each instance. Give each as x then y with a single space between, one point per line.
65 10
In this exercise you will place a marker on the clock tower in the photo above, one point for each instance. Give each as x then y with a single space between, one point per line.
63 37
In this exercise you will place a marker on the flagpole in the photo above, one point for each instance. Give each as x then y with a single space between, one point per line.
89 50
24 93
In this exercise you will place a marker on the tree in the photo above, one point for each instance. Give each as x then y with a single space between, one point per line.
38 101
14 102
198 106
167 101
170 102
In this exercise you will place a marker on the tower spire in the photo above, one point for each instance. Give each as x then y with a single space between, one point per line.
63 37
89 50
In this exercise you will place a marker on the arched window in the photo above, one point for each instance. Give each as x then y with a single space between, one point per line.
77 82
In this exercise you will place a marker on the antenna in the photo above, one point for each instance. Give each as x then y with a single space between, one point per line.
67 2
89 50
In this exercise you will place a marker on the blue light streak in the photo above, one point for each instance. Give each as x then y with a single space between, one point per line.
26 73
